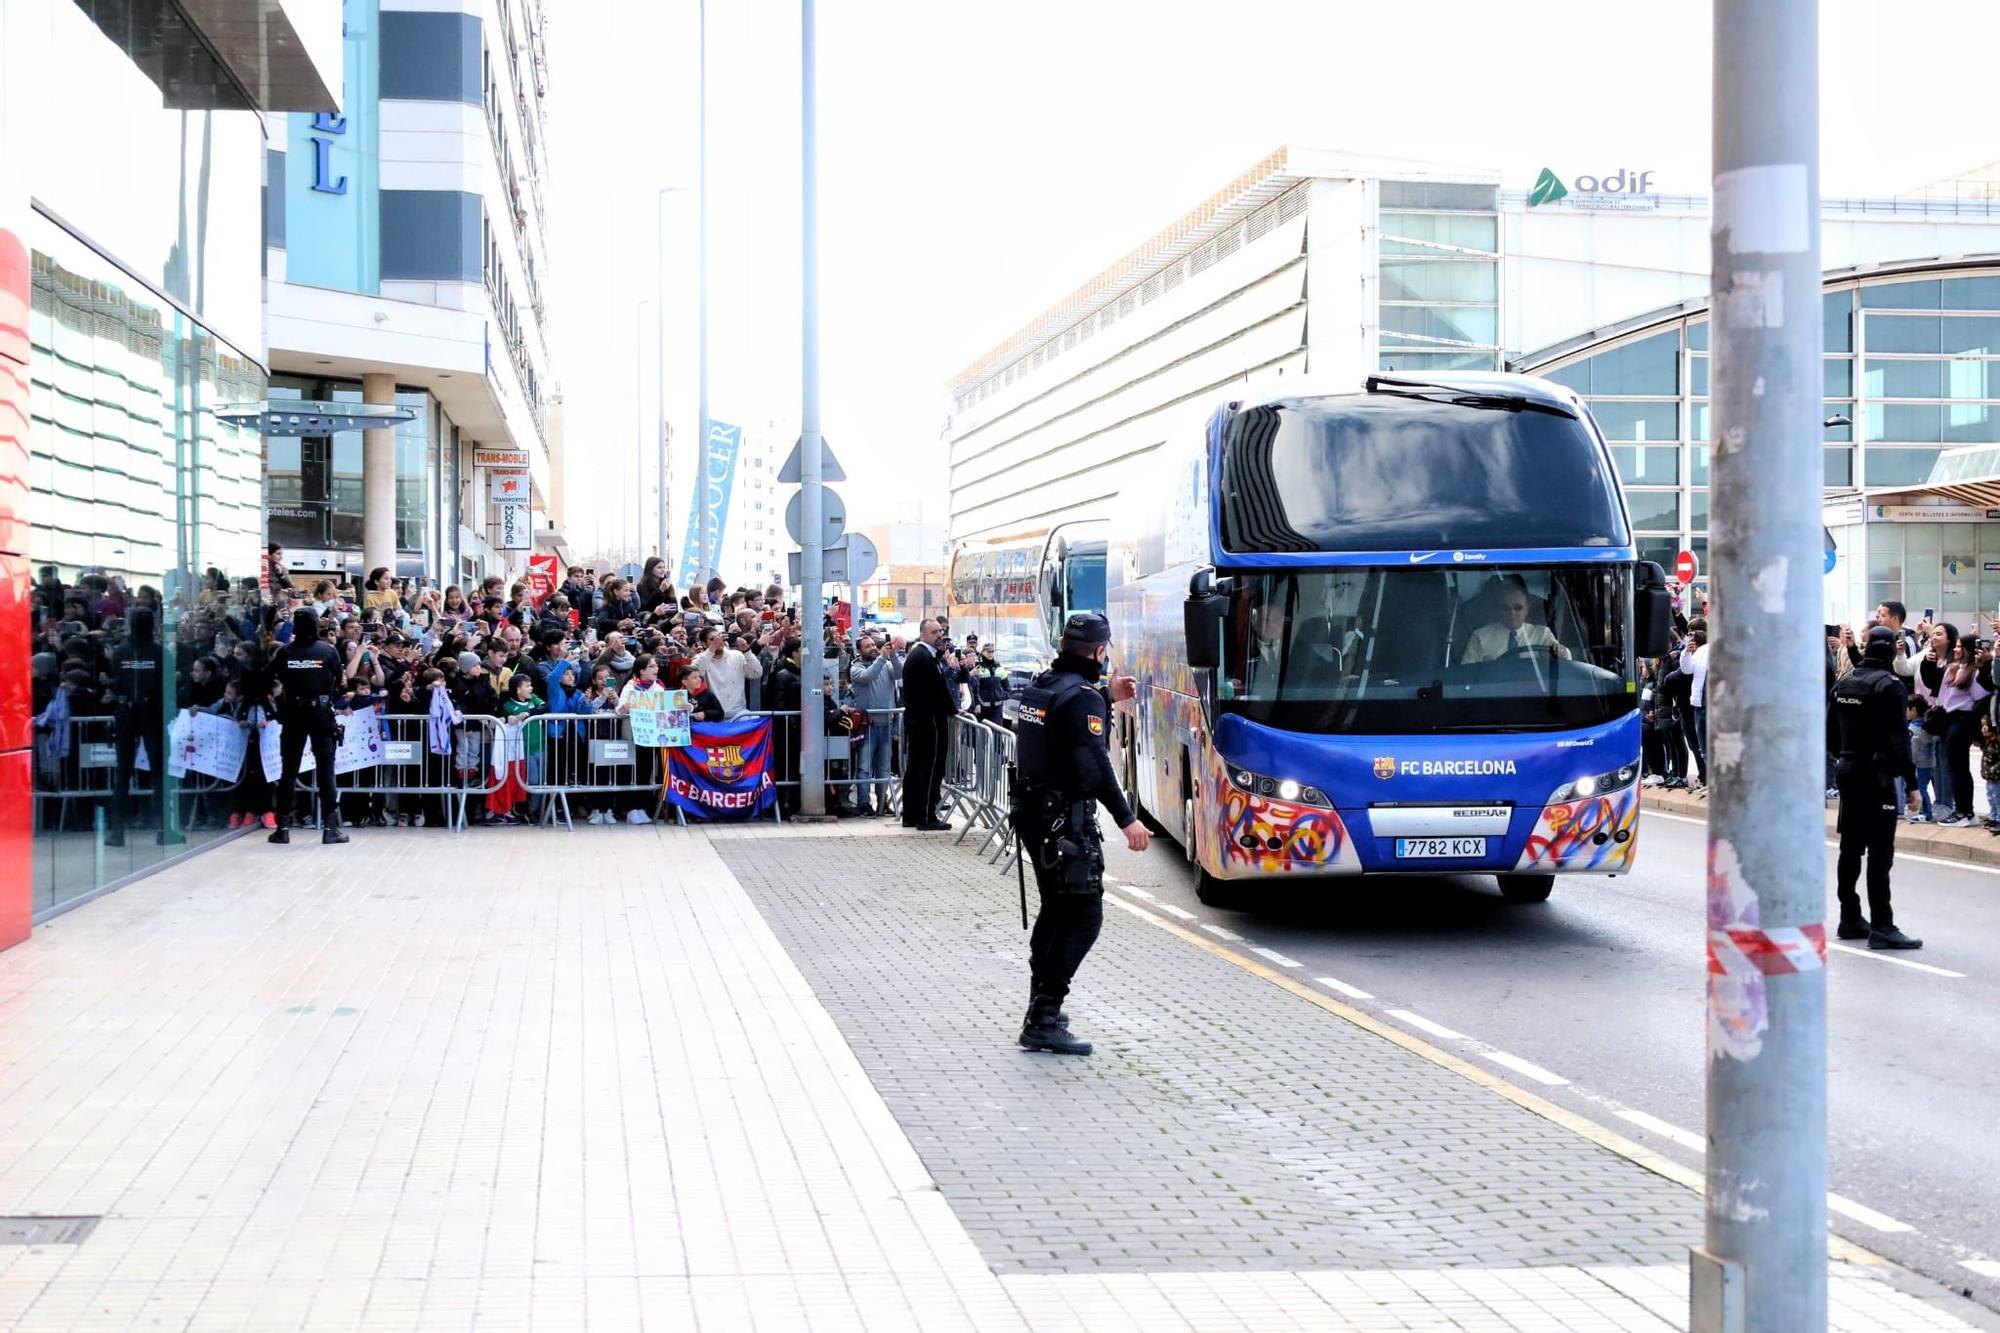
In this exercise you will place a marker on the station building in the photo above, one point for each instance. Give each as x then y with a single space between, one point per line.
1343 265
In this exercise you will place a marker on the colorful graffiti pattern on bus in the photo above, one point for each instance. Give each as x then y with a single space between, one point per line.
1287 836
1565 837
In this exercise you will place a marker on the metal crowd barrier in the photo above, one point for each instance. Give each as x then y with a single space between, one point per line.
409 769
844 757
591 757
88 770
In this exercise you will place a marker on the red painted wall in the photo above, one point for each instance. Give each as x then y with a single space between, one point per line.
16 735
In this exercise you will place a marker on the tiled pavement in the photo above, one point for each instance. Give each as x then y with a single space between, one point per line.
517 1078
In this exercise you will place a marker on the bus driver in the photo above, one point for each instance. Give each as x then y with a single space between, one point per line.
1510 632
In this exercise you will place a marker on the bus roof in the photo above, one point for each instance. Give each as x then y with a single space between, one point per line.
1530 387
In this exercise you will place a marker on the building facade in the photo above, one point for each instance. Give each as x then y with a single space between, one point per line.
406 265
131 159
1345 265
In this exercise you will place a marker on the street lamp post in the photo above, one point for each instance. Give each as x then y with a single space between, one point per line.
660 301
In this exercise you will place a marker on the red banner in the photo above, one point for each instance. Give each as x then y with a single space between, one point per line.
541 578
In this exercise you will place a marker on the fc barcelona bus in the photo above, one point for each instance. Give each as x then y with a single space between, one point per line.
1387 631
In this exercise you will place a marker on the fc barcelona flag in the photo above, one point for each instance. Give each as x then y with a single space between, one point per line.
724 771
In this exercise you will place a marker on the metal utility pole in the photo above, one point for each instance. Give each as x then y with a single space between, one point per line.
639 446
812 526
709 554
660 300
1764 1264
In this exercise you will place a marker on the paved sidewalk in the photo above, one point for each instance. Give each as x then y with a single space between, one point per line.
1972 845
754 1079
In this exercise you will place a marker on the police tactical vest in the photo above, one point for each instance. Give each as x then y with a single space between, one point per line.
1040 757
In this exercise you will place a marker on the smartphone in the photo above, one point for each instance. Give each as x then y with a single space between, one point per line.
1930 613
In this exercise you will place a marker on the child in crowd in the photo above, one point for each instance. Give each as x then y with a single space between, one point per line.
521 704
1923 754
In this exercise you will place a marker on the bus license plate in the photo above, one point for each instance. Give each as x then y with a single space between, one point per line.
1440 848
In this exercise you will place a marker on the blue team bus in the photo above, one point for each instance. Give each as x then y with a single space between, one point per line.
1393 631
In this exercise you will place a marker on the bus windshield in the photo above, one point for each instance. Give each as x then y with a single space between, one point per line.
1428 649
1389 472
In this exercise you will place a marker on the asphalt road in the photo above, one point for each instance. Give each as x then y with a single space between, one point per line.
1602 989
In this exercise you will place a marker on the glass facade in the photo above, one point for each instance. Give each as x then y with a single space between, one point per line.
1439 277
314 482
1915 365
145 541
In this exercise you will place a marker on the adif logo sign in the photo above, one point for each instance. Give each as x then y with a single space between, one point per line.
1624 181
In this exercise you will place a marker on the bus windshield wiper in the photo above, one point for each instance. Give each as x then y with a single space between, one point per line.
1459 396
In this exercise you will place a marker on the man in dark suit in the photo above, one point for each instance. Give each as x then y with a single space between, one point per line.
928 710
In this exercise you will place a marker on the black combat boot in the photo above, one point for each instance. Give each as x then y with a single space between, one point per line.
1888 937
280 834
1853 928
1044 1030
332 833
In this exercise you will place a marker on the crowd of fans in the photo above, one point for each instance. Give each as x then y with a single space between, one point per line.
1953 710
589 647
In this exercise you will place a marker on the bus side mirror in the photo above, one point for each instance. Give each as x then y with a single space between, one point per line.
1202 616
1652 611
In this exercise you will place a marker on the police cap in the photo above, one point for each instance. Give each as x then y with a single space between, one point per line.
1881 644
1086 630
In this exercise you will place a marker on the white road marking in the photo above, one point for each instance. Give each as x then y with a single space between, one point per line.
1419 1021
1878 955
1110 879
1526 1067
1353 992
1180 912
1276 957
1138 892
1983 1267
1653 1124
1866 1216
1220 933
1882 957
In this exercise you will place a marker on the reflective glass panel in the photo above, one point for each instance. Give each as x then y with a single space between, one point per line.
1439 280
1468 324
1838 319
1637 421
1654 511
1698 510
1697 335
1839 467
1653 465
1901 295
1403 233
1899 467
1698 376
1903 379
1914 423
1975 335
1839 377
1982 293
1412 361
1903 333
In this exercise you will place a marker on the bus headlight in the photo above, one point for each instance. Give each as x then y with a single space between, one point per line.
1596 785
1277 789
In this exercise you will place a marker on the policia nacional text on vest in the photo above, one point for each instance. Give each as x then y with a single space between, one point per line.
1063 773
309 673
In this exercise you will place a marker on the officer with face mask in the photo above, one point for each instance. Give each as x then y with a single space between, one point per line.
1869 737
1063 774
308 674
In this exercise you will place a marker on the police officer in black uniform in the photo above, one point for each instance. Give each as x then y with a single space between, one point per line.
308 674
1869 737
1063 774
136 677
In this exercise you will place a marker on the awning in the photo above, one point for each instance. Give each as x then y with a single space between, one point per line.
1969 476
289 417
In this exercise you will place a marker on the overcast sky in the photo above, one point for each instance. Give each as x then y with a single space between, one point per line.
980 159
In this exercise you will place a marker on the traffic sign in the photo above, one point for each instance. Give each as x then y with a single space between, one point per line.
862 558
1686 567
833 516
829 466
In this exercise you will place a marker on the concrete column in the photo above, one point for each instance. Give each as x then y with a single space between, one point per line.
378 480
